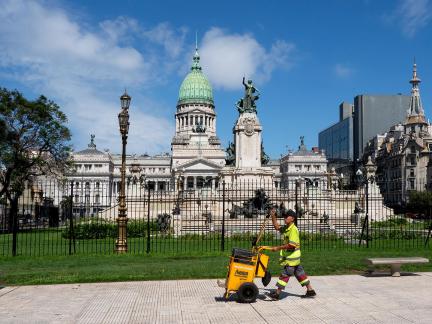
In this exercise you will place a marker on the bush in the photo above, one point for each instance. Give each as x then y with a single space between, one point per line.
248 236
397 234
309 237
98 228
391 222
93 228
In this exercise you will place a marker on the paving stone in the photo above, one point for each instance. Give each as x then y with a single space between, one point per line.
341 299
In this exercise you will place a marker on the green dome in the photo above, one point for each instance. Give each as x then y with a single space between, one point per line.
195 88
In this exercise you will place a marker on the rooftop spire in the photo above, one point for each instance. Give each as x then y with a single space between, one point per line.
196 58
415 108
415 80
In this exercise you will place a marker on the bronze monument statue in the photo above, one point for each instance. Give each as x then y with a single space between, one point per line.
230 154
247 104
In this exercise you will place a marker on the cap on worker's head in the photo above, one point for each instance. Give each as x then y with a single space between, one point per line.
289 212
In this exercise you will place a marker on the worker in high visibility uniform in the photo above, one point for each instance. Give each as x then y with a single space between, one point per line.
289 254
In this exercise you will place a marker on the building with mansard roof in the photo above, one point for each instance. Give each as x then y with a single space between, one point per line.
307 166
96 176
403 154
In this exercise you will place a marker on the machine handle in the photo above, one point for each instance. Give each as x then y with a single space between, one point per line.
264 247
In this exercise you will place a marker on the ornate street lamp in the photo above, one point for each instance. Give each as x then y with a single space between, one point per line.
123 117
363 179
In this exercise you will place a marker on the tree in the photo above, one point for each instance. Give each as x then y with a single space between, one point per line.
33 142
420 202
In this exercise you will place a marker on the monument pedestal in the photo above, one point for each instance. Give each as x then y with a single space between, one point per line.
248 170
261 177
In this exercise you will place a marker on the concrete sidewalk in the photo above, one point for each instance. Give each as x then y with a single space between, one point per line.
341 299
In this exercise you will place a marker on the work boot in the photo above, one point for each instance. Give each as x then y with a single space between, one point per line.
309 293
274 295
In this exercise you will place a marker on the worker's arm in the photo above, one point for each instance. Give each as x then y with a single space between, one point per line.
289 247
274 221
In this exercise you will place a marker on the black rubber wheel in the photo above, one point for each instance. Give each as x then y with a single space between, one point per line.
247 292
266 279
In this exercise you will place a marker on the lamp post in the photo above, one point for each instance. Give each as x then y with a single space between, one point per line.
123 117
363 179
179 177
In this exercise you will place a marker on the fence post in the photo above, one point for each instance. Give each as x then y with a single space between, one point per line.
297 184
429 231
367 213
14 211
71 227
223 217
148 219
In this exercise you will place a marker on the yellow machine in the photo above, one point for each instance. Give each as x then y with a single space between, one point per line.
244 267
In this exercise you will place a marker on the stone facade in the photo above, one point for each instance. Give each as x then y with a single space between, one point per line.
403 153
197 156
308 167
197 160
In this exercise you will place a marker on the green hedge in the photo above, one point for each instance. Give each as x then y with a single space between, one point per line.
97 228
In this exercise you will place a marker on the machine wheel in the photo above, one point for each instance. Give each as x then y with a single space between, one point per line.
247 292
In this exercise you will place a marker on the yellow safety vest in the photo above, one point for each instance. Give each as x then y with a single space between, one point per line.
290 236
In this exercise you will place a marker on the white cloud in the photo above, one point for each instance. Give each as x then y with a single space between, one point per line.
85 71
411 15
164 35
120 29
343 70
226 58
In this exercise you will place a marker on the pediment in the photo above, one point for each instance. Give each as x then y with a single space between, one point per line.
199 164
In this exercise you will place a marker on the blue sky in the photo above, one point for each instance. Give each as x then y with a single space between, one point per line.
305 57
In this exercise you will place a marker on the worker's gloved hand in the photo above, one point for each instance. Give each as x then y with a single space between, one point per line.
262 248
268 248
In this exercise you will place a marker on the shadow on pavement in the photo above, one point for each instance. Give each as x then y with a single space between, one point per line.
388 274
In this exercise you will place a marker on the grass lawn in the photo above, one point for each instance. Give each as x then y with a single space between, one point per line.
24 270
49 242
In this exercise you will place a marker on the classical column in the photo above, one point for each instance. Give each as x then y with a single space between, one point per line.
194 183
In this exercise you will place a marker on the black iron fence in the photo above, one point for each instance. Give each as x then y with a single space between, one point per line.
63 217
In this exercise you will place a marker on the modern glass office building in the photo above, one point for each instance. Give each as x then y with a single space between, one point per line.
375 115
370 115
337 139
